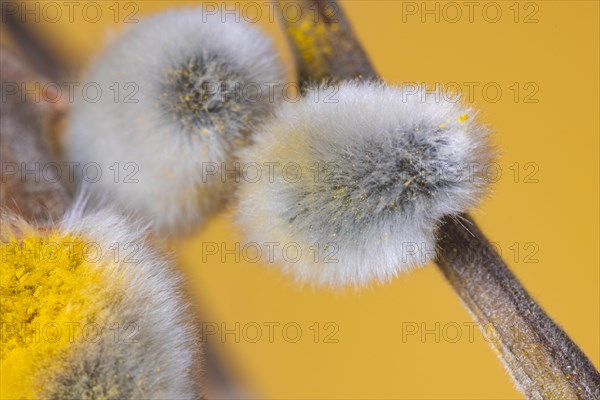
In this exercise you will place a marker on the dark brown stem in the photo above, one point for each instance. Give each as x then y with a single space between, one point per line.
26 117
38 53
543 361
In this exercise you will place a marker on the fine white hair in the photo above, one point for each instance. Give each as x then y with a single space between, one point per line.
354 179
180 92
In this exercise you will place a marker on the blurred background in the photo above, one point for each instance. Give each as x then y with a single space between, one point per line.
531 68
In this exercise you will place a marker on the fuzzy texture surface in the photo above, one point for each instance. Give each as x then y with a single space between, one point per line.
355 179
181 91
90 313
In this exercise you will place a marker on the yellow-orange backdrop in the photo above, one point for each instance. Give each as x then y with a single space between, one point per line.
532 69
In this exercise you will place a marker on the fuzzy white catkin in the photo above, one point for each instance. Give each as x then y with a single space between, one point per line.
348 185
144 345
180 92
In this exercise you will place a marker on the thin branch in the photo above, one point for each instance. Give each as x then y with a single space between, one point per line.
323 41
543 361
37 52
26 117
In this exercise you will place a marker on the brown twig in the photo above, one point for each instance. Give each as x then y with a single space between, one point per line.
543 361
541 358
40 56
323 41
28 184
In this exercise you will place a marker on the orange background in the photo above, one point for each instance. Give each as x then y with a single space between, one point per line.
554 141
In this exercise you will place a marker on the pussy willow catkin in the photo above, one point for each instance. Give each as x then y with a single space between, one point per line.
181 91
355 179
89 312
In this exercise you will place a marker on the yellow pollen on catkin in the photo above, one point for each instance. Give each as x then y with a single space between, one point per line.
408 182
49 291
463 117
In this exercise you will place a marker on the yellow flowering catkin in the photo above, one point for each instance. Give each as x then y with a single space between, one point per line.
50 290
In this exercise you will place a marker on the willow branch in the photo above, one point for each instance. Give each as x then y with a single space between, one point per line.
323 41
40 56
543 361
26 117
541 358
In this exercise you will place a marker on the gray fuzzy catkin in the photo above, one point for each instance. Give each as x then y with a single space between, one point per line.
181 91
362 174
